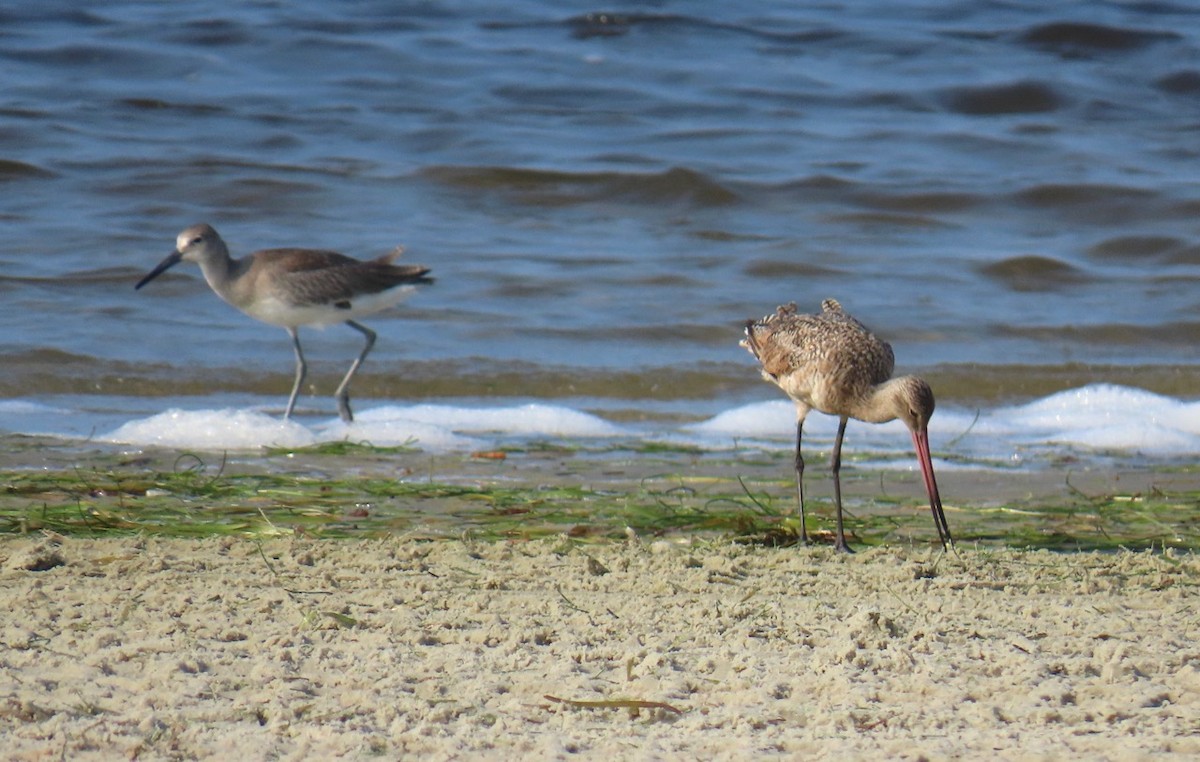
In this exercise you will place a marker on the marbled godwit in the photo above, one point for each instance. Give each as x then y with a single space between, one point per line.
295 287
830 362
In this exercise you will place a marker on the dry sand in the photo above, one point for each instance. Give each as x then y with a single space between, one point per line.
295 649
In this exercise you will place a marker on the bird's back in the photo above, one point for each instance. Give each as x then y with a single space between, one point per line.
304 277
828 361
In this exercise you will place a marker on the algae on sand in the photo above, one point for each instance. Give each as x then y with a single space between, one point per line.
361 491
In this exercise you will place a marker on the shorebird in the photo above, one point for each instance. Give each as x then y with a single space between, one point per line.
294 287
832 363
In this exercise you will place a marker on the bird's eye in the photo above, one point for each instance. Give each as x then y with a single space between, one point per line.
195 241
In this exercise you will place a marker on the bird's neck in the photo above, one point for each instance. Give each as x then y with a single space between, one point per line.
882 405
219 270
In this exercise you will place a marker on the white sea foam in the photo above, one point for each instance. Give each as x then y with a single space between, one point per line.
1105 416
392 427
1096 417
212 430
435 428
1099 418
533 420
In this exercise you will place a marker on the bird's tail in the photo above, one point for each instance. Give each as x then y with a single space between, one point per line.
399 274
391 256
758 330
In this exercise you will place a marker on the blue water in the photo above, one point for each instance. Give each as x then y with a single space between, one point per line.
603 197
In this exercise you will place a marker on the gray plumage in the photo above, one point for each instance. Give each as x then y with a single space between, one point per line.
294 287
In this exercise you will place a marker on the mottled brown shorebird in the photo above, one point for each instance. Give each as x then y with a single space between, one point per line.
295 287
831 363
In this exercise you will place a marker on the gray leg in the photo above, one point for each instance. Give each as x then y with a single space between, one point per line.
342 395
800 480
301 371
840 545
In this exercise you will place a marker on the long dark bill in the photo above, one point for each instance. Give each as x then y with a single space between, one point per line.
921 445
172 259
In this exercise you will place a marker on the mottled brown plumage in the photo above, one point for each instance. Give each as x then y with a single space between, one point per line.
295 287
832 363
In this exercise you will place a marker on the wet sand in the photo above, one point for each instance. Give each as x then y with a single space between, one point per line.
298 649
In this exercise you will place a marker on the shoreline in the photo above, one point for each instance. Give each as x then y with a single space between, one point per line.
709 384
347 490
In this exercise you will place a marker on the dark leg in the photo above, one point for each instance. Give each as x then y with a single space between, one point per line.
841 545
342 395
800 480
301 370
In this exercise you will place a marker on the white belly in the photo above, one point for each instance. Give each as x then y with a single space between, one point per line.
272 310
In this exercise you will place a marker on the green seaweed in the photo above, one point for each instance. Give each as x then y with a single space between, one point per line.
671 493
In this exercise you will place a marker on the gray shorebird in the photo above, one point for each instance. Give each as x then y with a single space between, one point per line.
294 287
831 363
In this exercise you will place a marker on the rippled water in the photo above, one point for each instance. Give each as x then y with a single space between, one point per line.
1006 191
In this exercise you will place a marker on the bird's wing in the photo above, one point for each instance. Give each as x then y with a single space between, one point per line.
324 277
302 260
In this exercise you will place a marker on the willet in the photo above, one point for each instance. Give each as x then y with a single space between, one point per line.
831 363
295 287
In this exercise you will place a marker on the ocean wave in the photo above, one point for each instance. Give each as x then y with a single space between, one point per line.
556 187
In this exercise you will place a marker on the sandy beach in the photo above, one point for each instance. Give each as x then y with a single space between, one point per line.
295 649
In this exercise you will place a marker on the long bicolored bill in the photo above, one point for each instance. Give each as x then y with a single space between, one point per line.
921 445
172 259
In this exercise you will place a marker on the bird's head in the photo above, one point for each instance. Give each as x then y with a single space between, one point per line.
198 243
912 402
